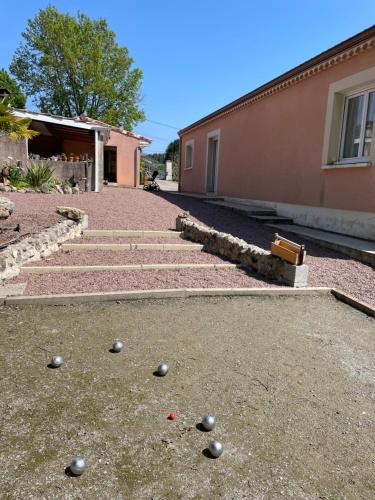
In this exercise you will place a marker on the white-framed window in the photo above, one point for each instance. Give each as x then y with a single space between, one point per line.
189 154
349 130
358 124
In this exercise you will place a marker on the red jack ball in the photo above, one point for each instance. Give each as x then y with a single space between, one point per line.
172 416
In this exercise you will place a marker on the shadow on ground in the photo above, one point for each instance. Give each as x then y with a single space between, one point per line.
240 226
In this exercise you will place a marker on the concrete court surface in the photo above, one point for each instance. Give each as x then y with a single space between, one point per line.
291 381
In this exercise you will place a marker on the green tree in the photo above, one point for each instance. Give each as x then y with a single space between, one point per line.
17 98
15 128
173 153
73 65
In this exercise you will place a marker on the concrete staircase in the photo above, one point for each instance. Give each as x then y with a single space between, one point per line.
362 250
254 212
356 248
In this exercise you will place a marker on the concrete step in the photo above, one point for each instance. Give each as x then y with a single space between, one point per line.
132 267
130 246
356 248
271 219
125 233
243 208
200 196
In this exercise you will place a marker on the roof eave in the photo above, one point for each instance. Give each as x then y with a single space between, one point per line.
67 122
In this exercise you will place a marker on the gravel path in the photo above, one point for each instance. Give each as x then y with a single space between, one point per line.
138 280
117 208
98 257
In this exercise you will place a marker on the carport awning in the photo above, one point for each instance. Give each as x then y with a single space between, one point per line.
61 121
51 129
71 126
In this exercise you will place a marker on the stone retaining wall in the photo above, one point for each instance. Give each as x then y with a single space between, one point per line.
249 256
38 246
64 170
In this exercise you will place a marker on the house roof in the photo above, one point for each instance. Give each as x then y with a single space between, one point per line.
82 122
58 120
120 130
346 45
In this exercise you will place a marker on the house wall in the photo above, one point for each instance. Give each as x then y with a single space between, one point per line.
128 162
64 170
15 149
272 149
78 147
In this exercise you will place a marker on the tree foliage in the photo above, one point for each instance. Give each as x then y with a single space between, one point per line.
16 128
17 98
173 152
154 157
73 65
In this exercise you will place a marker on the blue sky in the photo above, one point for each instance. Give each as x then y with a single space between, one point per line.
199 55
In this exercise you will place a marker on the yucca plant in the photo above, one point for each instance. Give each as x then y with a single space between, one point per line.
39 173
15 128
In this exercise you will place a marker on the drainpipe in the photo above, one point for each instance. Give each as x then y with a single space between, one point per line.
96 189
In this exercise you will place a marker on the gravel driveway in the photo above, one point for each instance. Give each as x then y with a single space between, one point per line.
117 208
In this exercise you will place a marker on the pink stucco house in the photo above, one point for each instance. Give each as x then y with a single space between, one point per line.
302 143
122 154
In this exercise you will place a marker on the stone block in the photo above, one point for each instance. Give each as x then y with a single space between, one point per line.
72 213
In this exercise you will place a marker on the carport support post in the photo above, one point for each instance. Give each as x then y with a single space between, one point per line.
96 187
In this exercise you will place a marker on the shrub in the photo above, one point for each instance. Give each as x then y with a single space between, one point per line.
15 175
56 181
39 174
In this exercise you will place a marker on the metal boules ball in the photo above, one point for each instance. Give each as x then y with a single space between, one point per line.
208 422
162 369
215 448
78 466
117 345
56 361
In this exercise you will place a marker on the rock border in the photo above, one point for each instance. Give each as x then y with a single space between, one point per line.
39 246
248 256
46 189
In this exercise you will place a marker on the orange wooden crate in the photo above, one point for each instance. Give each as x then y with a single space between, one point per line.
288 251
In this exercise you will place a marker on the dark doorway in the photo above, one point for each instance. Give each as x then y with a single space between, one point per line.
213 143
110 163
